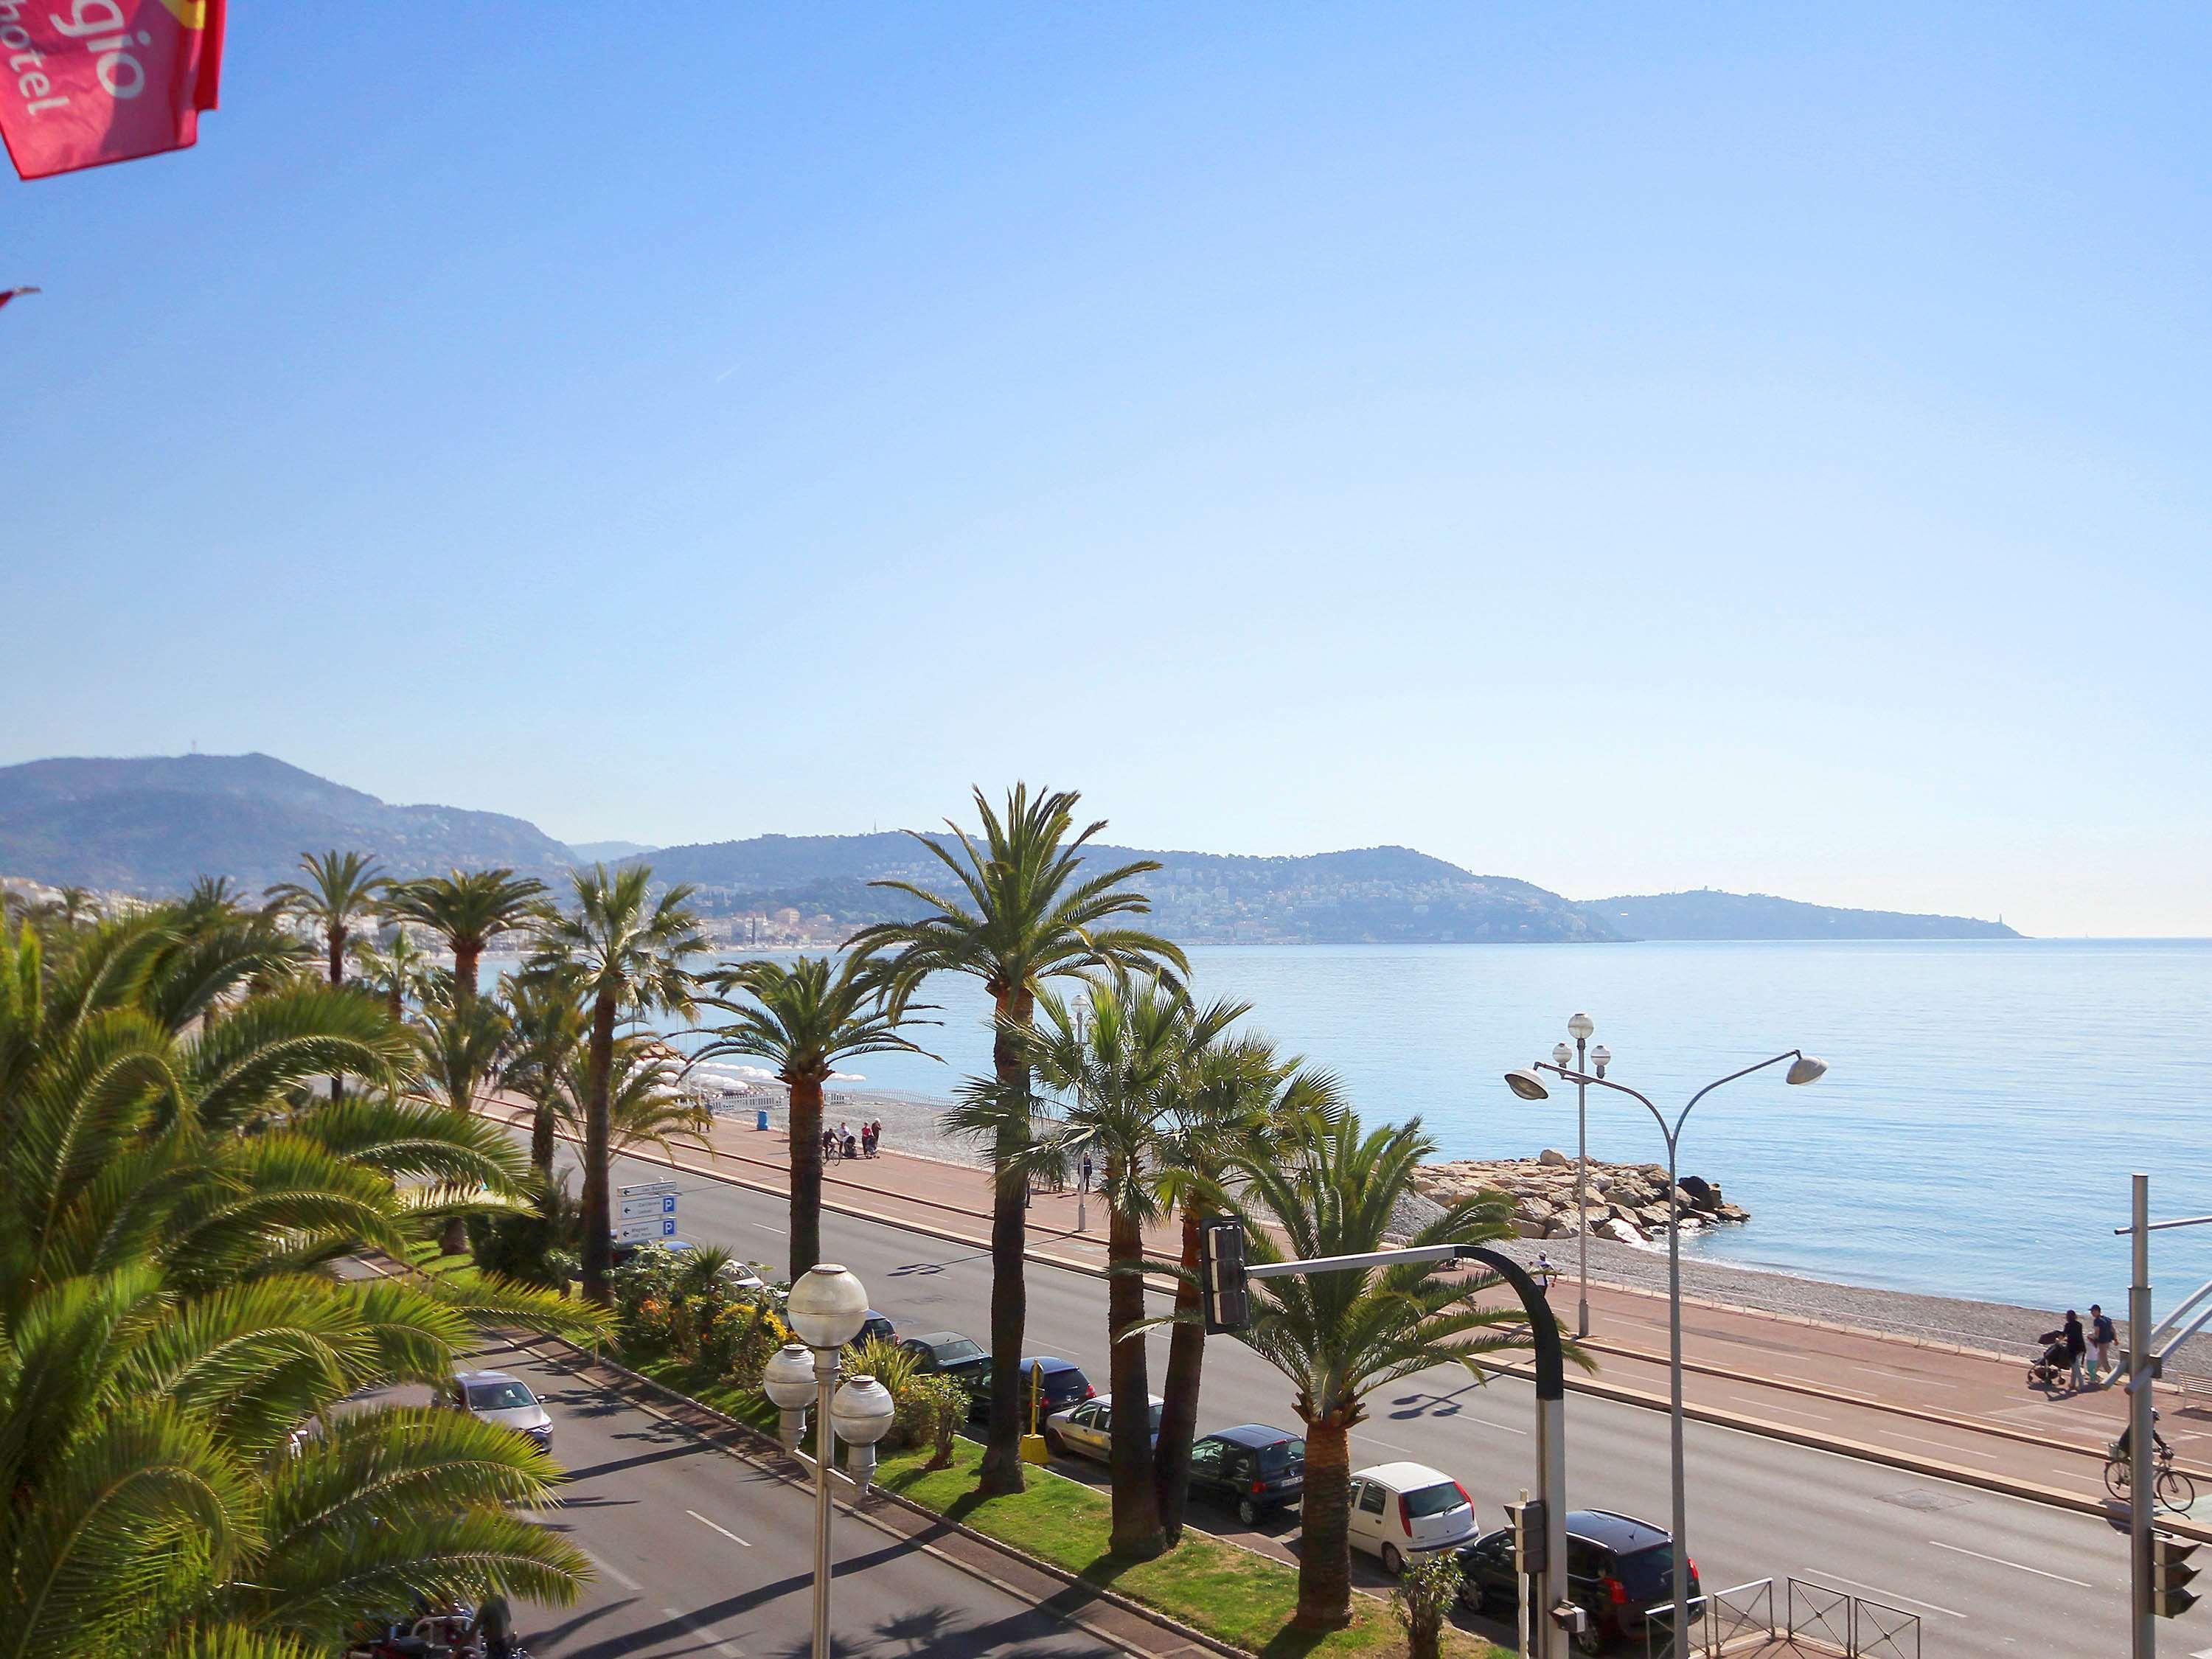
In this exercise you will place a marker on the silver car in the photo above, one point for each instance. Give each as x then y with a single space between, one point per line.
495 1397
1086 1428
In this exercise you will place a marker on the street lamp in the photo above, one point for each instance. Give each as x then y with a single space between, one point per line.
1527 1083
826 1309
1579 1027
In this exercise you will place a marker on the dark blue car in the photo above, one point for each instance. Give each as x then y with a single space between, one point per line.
1252 1468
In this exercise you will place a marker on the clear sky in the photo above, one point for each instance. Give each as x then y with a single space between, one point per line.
1624 448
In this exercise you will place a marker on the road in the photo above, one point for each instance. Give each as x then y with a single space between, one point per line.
1987 1575
701 1556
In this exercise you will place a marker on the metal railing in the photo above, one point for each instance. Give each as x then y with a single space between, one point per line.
1881 1632
1722 1621
1820 1613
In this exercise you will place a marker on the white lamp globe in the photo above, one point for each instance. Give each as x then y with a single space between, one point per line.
827 1307
861 1411
787 1379
1561 1053
1602 1057
1580 1027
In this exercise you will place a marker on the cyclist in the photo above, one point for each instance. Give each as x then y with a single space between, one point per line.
2159 1449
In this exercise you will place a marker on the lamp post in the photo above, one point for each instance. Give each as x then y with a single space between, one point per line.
1579 1027
826 1309
1525 1083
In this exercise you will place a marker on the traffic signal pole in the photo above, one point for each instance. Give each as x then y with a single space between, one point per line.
1223 1273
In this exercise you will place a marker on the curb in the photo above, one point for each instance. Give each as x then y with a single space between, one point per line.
1619 1393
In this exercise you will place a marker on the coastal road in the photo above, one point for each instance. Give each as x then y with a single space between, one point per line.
1988 1575
701 1556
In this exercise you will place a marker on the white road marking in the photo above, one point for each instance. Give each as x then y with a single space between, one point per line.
765 1228
1876 1589
1793 1411
725 1531
1941 1445
614 1572
694 1627
2019 1566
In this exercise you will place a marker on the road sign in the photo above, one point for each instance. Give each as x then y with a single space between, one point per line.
646 1190
632 1208
636 1232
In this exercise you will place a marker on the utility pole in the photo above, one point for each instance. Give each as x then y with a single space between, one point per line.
2142 1493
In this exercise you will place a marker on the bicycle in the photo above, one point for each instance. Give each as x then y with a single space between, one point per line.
2170 1489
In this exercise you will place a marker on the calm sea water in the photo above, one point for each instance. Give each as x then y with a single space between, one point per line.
1984 1104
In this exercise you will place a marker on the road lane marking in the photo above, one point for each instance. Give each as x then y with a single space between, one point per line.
1941 1445
2017 1565
613 1572
1876 1589
1818 1416
764 1227
718 1527
697 1629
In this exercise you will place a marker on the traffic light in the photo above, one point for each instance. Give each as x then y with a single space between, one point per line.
1527 1521
1228 1304
2169 1571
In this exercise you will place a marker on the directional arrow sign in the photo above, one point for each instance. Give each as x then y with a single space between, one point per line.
632 1208
646 1188
636 1232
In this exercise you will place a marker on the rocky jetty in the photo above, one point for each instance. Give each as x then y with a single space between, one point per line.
1626 1201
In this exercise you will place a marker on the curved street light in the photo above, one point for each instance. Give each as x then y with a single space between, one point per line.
1527 1083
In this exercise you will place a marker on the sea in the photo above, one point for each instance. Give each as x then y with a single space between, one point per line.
1984 1104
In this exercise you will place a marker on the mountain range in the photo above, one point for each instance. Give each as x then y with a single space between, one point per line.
151 825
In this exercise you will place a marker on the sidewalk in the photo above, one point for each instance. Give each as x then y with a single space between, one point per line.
1952 1414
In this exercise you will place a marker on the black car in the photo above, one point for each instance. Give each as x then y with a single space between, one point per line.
1252 1469
955 1357
1063 1385
878 1327
1618 1567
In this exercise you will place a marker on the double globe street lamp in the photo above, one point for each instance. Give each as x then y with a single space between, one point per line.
1527 1083
825 1311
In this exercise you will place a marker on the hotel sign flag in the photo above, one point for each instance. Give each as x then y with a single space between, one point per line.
646 1211
83 82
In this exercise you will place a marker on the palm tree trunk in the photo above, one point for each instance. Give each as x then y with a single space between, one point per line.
337 937
1179 1417
1324 1529
465 956
805 1174
541 1142
1136 1529
1001 1471
599 1214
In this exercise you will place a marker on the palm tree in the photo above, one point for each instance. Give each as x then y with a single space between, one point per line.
647 1104
1117 1070
341 890
1230 1095
169 1203
549 1024
804 1020
1339 1337
397 971
1020 916
464 1045
468 908
626 951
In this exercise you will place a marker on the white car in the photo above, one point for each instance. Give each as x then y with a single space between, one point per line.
495 1397
1400 1509
1086 1428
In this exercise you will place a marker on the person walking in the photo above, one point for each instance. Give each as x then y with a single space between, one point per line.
2102 1335
493 1625
2077 1349
875 1136
1086 1173
828 1145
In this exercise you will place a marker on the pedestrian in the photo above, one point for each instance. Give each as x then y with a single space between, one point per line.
493 1625
851 1147
829 1143
2077 1348
1086 1173
1546 1273
875 1137
2102 1335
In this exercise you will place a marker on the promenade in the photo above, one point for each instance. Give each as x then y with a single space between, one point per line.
1946 1411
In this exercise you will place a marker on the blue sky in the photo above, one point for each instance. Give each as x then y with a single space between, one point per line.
1625 448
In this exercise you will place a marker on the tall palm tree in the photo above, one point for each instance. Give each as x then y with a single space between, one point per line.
627 950
396 970
547 1012
804 1020
469 910
646 1104
1019 916
1230 1095
1339 1337
464 1045
1117 1066
341 890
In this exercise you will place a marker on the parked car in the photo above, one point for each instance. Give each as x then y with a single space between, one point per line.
495 1397
1399 1509
1087 1429
1618 1569
955 1357
1062 1384
1252 1468
878 1325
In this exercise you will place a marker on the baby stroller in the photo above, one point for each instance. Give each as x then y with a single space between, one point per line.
2053 1367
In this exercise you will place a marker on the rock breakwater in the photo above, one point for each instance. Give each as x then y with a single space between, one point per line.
1626 1201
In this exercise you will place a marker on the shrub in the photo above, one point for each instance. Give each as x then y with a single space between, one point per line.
930 1414
745 1337
1423 1600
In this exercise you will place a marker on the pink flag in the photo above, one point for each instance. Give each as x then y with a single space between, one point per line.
88 82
